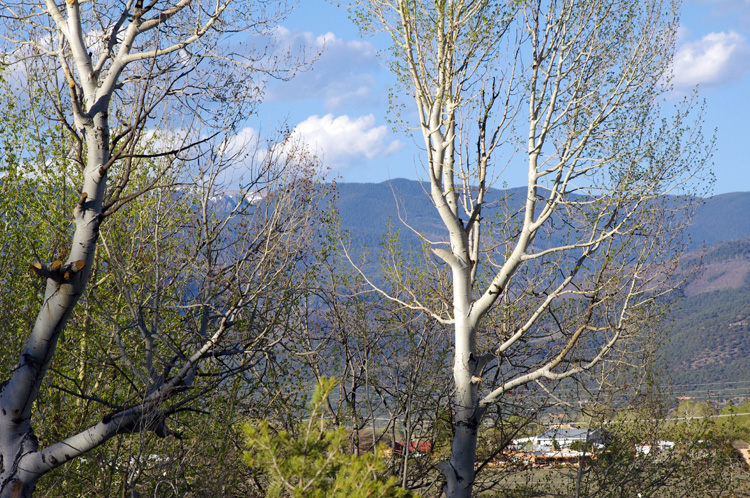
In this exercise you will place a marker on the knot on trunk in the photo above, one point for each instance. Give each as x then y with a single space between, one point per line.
60 273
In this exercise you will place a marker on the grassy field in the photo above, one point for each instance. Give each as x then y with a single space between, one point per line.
561 483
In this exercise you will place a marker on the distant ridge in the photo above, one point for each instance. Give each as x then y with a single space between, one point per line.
366 208
722 217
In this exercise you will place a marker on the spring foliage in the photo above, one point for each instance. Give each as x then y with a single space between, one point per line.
315 461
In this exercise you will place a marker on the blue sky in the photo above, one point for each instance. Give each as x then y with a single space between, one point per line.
340 105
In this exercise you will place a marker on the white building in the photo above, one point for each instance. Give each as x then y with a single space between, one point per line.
558 439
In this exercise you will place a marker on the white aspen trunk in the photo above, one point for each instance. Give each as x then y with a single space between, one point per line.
21 464
459 471
15 439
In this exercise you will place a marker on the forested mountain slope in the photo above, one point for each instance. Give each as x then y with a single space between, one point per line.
709 348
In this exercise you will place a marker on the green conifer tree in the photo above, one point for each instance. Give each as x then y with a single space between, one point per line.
316 463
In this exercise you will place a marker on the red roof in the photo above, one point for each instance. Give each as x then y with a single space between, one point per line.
414 447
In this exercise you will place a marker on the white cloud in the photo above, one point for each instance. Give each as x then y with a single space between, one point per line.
342 75
715 59
343 140
340 142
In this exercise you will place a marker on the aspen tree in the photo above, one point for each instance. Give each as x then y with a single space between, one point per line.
571 92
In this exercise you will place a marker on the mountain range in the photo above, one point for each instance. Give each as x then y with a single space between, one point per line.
707 352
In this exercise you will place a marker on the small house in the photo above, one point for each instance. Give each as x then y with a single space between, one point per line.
558 439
